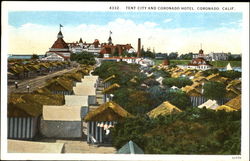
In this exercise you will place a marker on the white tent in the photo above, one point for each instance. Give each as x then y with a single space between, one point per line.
93 78
73 100
62 113
229 67
210 104
174 87
160 79
84 90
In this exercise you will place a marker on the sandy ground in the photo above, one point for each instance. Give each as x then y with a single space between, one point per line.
79 146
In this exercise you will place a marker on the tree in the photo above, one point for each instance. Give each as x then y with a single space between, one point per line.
83 58
35 56
210 71
116 52
178 98
173 55
178 82
231 74
214 90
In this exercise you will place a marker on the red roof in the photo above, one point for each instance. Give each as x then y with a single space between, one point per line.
199 61
60 44
122 58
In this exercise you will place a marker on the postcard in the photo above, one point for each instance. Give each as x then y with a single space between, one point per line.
125 81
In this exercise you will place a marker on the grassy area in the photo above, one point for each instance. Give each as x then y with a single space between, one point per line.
224 63
214 63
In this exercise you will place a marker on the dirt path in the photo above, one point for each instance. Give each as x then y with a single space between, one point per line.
81 146
35 82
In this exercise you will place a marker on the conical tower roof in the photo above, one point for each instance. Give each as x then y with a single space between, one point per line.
60 43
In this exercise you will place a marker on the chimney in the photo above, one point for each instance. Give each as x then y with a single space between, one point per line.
139 48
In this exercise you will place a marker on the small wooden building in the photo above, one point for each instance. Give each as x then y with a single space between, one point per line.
24 111
62 121
101 119
165 108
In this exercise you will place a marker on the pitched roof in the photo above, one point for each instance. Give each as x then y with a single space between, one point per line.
165 108
226 108
42 90
130 148
191 91
210 104
111 88
60 84
60 44
198 79
235 103
212 76
30 104
73 76
109 78
109 111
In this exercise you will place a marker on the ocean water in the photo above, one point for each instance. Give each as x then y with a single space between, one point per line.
22 56
234 68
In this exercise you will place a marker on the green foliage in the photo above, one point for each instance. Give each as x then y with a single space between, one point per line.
231 74
131 129
223 63
214 90
210 71
178 82
133 100
83 58
147 54
194 131
116 52
162 73
178 98
35 56
188 56
123 71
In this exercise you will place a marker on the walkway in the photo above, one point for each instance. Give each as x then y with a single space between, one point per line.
36 82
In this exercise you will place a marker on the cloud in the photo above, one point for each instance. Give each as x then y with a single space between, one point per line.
150 24
167 20
35 38
232 24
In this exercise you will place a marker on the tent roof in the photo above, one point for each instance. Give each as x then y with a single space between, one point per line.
42 90
165 108
62 113
212 76
73 76
226 108
190 89
110 88
29 104
109 78
211 104
109 111
235 103
64 83
84 90
130 148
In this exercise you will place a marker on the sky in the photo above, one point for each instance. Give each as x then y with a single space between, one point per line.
165 32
